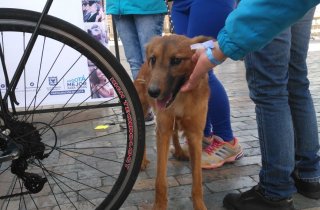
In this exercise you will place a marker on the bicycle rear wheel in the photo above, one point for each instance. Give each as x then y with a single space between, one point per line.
86 151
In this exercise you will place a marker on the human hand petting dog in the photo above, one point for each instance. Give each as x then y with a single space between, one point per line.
204 65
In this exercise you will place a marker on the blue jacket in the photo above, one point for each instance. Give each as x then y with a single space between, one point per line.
256 22
135 7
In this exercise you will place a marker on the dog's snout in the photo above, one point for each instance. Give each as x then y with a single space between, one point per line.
154 91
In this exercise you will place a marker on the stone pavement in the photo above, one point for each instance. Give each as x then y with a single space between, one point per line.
236 177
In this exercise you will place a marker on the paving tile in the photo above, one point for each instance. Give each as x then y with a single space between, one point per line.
230 184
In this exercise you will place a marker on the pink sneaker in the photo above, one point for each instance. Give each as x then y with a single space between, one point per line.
220 152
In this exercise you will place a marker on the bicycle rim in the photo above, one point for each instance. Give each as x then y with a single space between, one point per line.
86 150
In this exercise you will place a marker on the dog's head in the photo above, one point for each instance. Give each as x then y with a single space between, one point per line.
169 65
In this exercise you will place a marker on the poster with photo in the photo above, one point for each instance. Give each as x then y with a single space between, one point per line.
58 86
95 25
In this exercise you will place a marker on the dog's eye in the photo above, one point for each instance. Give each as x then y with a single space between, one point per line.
175 61
152 60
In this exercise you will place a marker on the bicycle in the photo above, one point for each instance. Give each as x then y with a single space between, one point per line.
53 156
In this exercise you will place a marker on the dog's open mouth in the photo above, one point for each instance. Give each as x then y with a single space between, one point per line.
167 100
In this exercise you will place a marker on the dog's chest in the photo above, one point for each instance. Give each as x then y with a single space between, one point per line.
178 110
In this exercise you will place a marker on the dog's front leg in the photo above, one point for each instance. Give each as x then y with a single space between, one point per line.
163 140
195 149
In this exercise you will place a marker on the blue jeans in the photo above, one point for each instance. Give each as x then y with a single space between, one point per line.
287 123
135 31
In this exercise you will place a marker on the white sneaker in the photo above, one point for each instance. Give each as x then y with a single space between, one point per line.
150 118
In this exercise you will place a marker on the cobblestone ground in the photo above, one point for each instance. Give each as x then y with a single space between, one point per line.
236 177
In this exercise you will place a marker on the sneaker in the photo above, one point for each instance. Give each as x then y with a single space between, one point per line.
149 119
220 152
254 200
307 189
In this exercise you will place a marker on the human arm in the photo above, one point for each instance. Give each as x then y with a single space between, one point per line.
248 28
253 24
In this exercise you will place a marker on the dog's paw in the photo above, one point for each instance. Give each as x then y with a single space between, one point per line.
199 205
144 164
179 154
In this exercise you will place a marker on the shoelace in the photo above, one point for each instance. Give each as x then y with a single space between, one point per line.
213 146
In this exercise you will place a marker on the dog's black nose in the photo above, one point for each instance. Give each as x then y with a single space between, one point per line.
154 91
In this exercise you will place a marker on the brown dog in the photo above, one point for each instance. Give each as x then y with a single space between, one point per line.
158 83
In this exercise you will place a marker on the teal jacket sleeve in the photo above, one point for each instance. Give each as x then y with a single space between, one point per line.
256 22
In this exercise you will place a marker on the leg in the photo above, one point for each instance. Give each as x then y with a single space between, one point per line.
155 27
141 87
277 79
164 133
195 148
267 76
219 111
185 16
180 16
129 37
178 152
301 103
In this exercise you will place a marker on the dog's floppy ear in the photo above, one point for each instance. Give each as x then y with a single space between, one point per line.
200 39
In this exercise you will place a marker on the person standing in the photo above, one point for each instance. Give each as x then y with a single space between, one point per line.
287 123
220 146
278 83
137 21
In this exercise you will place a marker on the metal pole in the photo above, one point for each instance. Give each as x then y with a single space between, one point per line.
115 37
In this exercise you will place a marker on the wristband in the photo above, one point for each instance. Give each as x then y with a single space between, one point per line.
209 46
211 57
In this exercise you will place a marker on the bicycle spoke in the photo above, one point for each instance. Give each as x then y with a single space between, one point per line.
46 76
33 201
38 78
4 170
108 159
14 185
73 190
43 168
69 69
73 180
24 72
21 190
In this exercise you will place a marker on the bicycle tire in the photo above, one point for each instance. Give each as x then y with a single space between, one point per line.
126 165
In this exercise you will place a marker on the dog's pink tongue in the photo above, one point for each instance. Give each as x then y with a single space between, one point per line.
162 103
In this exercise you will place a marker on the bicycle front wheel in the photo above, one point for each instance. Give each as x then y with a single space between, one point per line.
75 115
